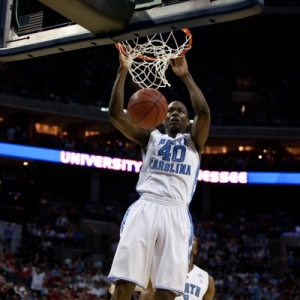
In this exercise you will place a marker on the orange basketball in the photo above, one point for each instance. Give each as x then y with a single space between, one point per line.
147 108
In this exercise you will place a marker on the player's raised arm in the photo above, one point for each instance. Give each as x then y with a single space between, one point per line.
116 113
200 126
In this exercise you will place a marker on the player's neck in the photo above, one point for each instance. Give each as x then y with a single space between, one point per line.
172 134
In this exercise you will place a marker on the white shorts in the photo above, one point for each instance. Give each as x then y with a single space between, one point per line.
156 239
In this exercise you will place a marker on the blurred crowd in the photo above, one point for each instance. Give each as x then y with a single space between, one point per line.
36 270
277 158
240 92
273 85
233 248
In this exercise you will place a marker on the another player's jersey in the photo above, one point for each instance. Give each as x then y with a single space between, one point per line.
170 167
196 285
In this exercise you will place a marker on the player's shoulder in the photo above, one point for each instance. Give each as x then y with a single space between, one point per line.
156 132
188 136
200 272
197 269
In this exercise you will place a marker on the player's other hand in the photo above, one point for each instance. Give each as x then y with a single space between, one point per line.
179 65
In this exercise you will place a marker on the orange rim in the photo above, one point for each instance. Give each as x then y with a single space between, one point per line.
187 47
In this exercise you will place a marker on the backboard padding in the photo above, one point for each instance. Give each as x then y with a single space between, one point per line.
159 19
96 16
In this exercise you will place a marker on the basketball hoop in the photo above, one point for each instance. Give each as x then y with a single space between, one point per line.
148 57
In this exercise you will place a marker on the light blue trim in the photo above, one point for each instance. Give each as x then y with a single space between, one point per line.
113 279
126 217
177 292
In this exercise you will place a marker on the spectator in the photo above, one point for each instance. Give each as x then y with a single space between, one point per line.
37 280
8 233
27 296
98 290
79 265
11 133
61 221
20 288
56 271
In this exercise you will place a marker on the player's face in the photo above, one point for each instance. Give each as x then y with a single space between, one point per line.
177 117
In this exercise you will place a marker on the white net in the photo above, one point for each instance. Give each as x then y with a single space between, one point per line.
149 57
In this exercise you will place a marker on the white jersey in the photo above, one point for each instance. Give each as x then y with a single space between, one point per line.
196 285
170 167
37 280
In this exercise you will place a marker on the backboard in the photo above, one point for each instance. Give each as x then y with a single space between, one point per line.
53 33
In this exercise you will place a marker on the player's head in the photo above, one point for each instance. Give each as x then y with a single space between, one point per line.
177 119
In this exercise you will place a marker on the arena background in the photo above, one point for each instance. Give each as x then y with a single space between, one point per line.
257 55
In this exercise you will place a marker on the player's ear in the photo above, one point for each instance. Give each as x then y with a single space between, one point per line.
111 288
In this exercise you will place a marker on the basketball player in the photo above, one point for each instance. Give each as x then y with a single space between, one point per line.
199 285
157 232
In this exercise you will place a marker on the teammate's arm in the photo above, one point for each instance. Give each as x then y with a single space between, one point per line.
200 126
210 293
116 113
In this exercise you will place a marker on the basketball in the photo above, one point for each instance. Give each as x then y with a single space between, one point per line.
147 108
